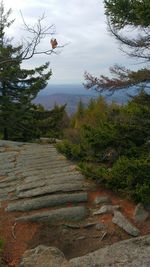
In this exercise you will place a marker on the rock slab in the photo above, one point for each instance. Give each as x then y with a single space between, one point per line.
123 223
129 253
43 256
47 201
53 216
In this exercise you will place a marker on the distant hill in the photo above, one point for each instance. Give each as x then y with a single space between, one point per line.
72 94
48 101
71 89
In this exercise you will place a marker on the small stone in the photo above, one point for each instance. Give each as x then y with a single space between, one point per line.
140 214
99 226
65 231
88 225
106 209
102 200
73 226
123 223
58 140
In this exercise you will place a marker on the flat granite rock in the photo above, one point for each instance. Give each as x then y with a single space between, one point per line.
56 176
134 252
76 186
47 171
35 176
6 143
46 182
123 223
47 201
53 216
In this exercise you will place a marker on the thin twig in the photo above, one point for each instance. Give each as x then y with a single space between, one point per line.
102 237
13 230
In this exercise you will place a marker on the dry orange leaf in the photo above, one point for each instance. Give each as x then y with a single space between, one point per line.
54 43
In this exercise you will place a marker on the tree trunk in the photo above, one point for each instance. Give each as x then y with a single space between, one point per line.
5 133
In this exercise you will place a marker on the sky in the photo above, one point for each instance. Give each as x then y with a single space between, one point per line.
81 25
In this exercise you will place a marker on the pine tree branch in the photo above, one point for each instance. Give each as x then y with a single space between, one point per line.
123 78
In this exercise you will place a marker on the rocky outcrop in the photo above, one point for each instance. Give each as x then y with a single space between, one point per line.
34 177
130 253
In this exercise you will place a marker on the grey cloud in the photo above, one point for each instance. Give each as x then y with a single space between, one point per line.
81 23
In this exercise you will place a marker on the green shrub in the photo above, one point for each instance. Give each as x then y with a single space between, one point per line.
64 147
101 137
128 176
76 152
98 173
131 176
112 145
72 151
142 193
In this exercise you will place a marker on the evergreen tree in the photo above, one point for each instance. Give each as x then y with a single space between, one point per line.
80 110
52 123
79 114
91 104
18 86
123 15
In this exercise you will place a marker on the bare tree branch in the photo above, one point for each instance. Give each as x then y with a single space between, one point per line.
30 46
38 32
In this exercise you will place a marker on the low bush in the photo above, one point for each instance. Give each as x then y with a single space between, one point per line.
131 176
128 176
71 151
111 143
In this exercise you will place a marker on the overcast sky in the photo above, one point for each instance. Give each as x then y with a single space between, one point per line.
81 24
